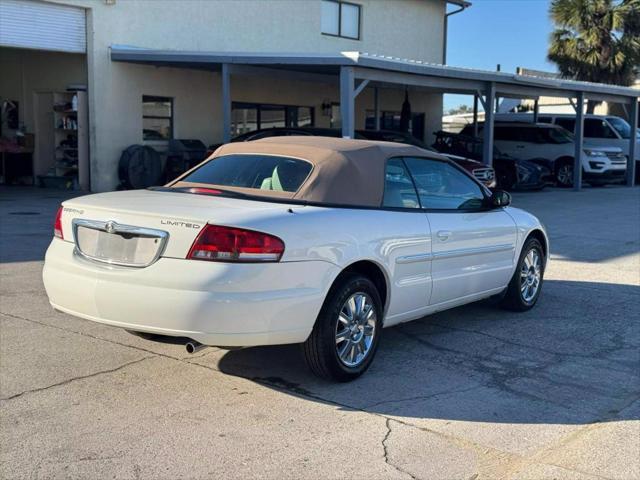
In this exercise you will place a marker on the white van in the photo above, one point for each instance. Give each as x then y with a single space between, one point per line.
599 130
553 147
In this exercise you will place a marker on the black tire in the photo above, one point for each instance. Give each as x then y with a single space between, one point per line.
320 349
140 167
514 298
564 173
507 180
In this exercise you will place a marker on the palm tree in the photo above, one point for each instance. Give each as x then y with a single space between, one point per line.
596 40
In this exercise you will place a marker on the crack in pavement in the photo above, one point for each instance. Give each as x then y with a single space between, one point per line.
501 371
69 380
498 376
423 397
514 344
386 450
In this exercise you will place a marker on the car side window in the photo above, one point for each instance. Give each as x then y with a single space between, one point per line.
509 133
506 133
441 186
567 123
532 135
399 191
597 128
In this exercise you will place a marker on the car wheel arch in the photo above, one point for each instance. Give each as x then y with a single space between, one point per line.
560 160
373 271
542 238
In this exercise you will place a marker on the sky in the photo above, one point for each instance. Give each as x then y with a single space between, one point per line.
512 33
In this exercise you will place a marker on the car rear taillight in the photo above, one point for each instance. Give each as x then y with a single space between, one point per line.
204 191
57 224
227 244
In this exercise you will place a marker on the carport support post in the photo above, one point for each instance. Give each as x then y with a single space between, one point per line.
536 110
489 103
475 115
631 162
226 103
376 108
347 101
579 135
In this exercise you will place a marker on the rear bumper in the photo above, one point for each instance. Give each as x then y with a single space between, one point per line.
212 303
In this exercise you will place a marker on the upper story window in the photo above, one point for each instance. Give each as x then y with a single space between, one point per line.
341 19
157 118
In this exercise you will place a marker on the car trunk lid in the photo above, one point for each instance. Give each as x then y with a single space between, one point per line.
135 228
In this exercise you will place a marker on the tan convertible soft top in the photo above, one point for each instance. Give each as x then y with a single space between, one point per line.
345 172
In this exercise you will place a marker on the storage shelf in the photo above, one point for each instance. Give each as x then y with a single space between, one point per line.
62 118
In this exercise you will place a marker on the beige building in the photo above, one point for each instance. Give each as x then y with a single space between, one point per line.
57 69
563 105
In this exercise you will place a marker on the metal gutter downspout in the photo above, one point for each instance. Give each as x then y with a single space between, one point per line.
463 6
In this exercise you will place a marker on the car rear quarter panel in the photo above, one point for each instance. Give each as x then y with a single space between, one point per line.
398 242
393 240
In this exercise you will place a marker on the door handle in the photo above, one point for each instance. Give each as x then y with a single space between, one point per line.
443 235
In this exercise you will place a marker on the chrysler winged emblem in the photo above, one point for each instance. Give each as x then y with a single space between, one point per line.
110 226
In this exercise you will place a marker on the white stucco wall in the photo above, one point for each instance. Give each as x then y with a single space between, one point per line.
403 28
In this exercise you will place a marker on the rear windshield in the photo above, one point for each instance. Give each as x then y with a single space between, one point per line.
261 172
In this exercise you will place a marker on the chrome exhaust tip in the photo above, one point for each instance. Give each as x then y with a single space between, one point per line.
193 346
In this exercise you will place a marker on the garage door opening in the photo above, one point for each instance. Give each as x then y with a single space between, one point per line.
44 134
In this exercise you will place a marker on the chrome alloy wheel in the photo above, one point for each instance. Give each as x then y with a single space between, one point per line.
355 329
530 275
565 174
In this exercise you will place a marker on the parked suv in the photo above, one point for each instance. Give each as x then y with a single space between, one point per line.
511 173
599 130
554 146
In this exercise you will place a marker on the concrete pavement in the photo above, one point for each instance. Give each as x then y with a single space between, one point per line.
472 393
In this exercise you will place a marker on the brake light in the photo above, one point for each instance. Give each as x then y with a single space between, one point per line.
227 244
57 224
204 191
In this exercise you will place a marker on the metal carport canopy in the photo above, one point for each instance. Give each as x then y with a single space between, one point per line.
376 70
458 79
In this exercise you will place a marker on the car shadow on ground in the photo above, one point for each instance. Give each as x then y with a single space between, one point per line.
573 359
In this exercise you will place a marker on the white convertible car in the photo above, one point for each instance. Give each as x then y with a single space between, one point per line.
310 240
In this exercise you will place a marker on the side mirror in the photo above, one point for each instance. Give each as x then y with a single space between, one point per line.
500 198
